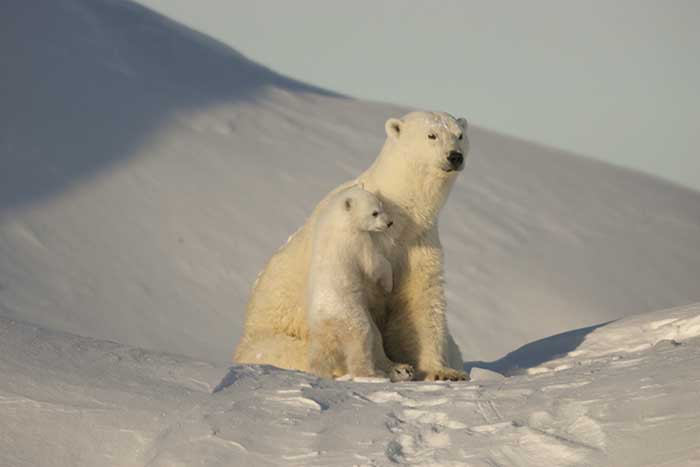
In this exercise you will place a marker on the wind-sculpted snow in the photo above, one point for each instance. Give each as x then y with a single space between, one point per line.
147 172
71 401
666 328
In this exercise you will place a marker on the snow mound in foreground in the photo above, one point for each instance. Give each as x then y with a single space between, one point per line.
631 334
147 173
67 400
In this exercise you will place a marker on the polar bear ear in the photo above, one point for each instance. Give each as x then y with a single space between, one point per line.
393 127
348 204
462 122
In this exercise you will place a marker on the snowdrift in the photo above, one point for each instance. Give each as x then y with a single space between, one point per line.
627 396
146 174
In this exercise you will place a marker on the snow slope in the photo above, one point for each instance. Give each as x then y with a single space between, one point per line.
147 172
68 400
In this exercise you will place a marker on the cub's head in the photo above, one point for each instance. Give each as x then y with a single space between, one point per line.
365 210
434 141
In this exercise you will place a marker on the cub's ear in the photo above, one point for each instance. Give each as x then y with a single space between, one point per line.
462 122
348 203
393 127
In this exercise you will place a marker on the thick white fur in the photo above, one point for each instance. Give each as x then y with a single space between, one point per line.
411 177
345 255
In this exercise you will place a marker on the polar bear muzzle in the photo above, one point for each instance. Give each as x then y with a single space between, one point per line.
456 161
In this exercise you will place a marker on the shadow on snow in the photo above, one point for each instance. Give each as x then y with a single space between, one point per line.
537 352
91 80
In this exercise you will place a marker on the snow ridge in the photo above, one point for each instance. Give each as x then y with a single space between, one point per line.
154 409
146 174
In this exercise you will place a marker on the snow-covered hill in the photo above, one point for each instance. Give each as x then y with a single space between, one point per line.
146 174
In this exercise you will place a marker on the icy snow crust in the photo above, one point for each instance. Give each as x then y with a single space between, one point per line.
68 400
146 174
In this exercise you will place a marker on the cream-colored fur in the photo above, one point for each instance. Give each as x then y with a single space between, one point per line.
412 177
347 260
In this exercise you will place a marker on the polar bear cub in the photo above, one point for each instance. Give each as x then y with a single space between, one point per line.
346 255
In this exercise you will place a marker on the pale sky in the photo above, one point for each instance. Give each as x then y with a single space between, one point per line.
616 80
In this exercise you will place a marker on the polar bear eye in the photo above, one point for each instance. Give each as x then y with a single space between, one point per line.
460 137
432 136
375 213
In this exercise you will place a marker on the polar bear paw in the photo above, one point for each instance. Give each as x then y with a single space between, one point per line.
444 374
401 372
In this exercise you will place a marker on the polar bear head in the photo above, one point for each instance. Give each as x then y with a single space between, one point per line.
364 211
433 141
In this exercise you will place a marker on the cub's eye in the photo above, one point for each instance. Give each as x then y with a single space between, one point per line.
460 137
375 213
432 136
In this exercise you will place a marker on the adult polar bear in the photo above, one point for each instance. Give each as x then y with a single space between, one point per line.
412 176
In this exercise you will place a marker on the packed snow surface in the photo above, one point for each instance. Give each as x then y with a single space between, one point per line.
69 400
146 174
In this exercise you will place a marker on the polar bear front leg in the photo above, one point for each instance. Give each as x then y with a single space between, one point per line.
358 343
364 352
385 274
325 355
351 345
376 267
396 372
417 328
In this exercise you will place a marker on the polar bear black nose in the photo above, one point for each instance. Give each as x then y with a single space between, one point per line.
456 159
390 223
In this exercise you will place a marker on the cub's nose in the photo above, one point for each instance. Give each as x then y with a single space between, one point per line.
456 159
389 224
